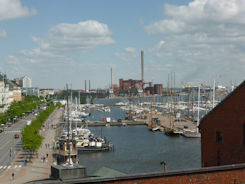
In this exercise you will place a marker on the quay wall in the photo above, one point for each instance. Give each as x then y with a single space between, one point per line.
223 174
102 123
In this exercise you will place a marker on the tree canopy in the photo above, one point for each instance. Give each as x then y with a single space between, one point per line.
31 140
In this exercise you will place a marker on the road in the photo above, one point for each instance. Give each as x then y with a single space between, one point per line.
8 142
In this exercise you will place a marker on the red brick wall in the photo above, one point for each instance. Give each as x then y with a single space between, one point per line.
228 118
209 178
213 175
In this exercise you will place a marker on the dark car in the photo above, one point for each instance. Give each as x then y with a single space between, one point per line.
16 136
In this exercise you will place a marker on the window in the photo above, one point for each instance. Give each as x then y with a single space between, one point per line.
219 137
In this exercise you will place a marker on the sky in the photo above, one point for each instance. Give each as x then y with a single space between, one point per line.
63 42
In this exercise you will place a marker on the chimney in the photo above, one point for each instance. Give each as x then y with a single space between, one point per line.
85 86
89 87
142 66
111 78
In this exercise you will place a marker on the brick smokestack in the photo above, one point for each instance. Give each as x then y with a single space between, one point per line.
85 86
142 66
89 85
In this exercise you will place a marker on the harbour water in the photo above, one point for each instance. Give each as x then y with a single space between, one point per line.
138 150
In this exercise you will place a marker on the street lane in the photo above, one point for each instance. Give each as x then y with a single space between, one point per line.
8 142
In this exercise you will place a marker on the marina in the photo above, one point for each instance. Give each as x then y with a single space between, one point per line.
138 150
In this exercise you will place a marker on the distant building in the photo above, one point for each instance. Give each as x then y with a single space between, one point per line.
14 91
4 96
115 89
46 92
130 84
223 131
17 94
24 82
149 90
158 89
31 91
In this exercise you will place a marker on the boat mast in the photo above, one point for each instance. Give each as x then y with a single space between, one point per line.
69 126
213 93
142 79
76 112
198 106
79 100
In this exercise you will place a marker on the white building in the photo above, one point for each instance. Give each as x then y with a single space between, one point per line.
4 97
31 91
25 82
10 97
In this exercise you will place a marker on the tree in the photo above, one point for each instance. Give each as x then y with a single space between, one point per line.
83 100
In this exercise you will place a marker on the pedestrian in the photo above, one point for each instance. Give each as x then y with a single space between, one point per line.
43 159
13 176
46 145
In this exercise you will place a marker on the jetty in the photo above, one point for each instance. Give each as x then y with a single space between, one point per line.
103 123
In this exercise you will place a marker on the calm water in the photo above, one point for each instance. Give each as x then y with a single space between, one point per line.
115 114
138 150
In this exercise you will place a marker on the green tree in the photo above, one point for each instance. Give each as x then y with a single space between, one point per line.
83 100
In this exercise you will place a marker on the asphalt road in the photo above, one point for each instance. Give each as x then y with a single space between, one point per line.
8 142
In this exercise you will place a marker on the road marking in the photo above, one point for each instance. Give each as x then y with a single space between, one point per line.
5 144
12 131
9 167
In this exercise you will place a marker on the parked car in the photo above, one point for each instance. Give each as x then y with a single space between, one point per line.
16 136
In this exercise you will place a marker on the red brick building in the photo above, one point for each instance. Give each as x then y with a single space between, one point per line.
158 89
223 131
130 84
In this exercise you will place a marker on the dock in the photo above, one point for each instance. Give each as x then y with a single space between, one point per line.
102 123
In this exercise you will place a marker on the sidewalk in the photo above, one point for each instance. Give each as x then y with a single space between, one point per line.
35 168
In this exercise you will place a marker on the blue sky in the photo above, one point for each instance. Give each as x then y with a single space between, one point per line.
60 41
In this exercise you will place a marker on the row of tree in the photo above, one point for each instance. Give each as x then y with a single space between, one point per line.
18 109
31 140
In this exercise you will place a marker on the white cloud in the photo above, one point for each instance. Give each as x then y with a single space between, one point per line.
12 9
80 37
64 40
60 54
3 33
203 37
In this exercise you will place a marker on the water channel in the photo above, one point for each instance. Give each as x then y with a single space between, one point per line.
138 150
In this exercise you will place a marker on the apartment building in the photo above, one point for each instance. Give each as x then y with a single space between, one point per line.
4 96
24 82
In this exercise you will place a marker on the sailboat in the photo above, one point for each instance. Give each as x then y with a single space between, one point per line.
194 134
172 130
153 122
66 152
